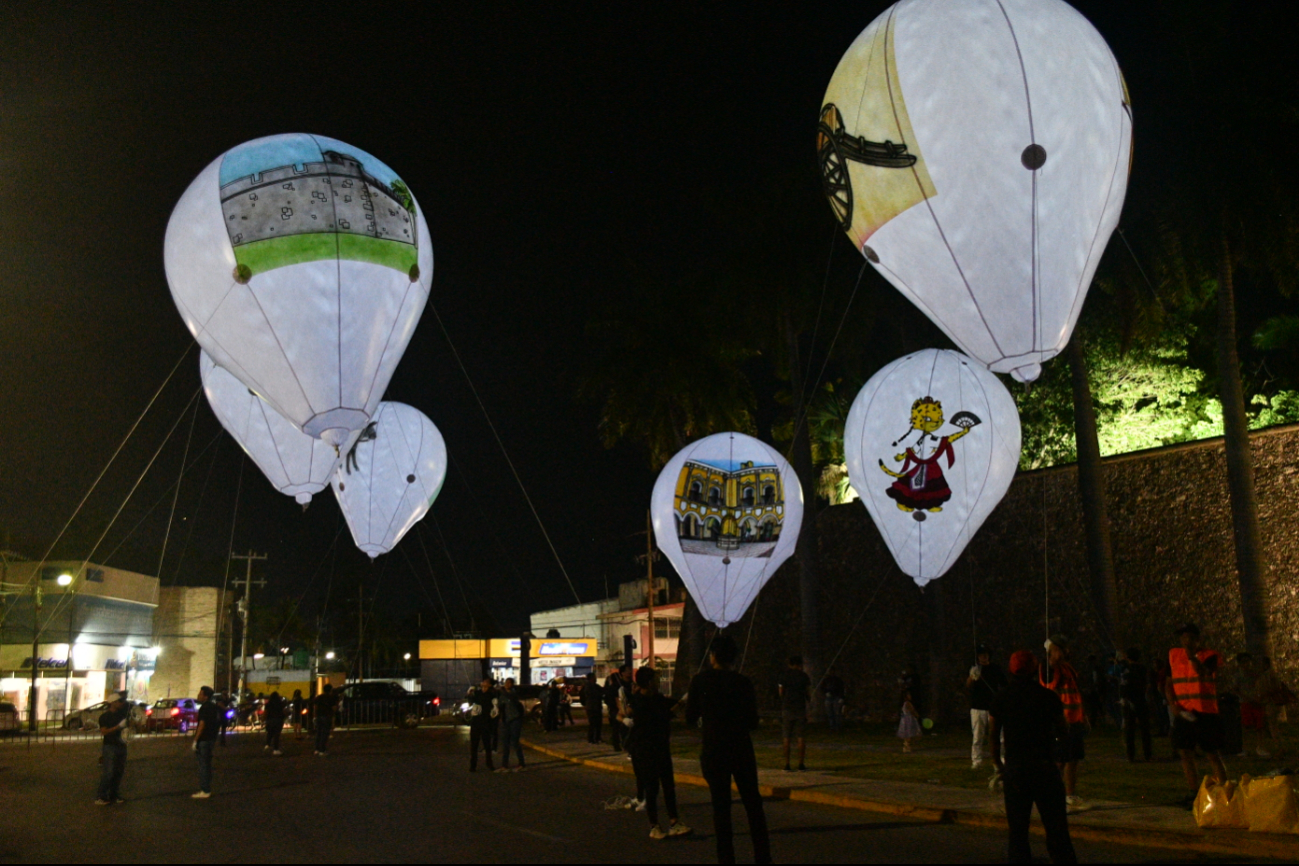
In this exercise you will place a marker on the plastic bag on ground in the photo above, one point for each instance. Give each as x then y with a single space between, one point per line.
1271 805
1221 806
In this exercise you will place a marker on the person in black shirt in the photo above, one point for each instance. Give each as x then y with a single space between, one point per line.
728 707
651 751
113 754
593 704
1032 718
210 717
481 724
795 688
832 688
983 683
322 717
1133 684
274 715
612 685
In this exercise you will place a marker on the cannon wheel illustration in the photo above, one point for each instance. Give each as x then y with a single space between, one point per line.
834 165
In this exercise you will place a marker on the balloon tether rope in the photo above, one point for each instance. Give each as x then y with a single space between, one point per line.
508 461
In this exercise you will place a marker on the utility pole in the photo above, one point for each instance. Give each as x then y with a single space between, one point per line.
244 609
649 583
360 631
36 635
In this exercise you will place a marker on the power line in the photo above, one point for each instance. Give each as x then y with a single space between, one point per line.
506 453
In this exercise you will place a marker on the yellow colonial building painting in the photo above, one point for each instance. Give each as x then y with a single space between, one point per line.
729 508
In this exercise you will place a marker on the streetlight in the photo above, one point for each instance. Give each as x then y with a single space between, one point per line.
329 656
65 579
407 656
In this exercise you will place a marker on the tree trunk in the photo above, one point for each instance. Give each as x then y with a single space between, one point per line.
939 682
807 541
1240 465
1091 489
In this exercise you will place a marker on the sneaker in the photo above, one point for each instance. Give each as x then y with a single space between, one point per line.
631 803
678 829
640 805
501 770
277 753
974 765
119 801
656 832
518 769
1076 804
101 802
201 795
266 748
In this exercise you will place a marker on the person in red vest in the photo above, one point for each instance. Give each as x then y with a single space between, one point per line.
1192 692
1061 678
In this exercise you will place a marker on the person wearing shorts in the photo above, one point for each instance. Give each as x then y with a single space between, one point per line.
1060 677
795 691
1192 693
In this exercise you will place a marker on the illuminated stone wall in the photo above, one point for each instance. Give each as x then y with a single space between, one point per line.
1174 556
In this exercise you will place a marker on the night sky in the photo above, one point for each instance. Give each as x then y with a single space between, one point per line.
552 148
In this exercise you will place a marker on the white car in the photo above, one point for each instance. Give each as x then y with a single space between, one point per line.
88 719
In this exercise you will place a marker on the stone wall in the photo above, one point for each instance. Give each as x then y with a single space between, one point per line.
1174 558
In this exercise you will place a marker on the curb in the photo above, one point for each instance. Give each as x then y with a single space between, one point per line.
1255 845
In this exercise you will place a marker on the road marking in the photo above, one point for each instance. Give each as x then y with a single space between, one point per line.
507 826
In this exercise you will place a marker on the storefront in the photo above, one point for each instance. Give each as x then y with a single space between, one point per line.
68 682
449 667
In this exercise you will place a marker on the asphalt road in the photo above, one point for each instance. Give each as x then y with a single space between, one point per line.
407 796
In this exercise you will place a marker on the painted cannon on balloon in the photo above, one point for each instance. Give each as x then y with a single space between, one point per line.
930 489
1017 128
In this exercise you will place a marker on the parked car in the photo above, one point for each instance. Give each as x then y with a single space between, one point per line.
9 719
172 714
88 719
382 702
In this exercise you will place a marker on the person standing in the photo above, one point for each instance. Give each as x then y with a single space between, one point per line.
113 752
296 707
480 725
274 716
984 681
908 722
1192 692
511 717
651 752
323 718
795 688
724 701
1061 678
612 685
565 706
832 688
1133 686
1030 716
593 704
210 714
550 707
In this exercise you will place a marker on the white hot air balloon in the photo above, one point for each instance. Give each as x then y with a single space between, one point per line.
386 483
296 464
302 264
977 153
726 512
932 444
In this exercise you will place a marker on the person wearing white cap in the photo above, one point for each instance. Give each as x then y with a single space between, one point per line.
113 756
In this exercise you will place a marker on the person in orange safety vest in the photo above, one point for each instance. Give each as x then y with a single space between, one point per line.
1071 748
1192 693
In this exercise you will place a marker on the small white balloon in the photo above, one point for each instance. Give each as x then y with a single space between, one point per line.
977 154
386 483
932 444
726 512
296 464
302 264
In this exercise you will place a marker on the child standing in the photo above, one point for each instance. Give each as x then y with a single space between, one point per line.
909 723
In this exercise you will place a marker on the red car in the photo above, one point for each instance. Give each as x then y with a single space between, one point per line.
172 714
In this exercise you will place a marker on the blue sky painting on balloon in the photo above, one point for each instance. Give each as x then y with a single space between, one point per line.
301 198
729 508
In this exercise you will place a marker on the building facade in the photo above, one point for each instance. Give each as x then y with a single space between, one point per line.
726 508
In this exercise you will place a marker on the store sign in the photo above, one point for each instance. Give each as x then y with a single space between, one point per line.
45 664
565 648
559 662
504 664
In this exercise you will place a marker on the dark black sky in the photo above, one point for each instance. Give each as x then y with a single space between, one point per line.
551 147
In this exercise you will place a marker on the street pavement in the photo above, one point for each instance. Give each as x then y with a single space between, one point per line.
388 795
